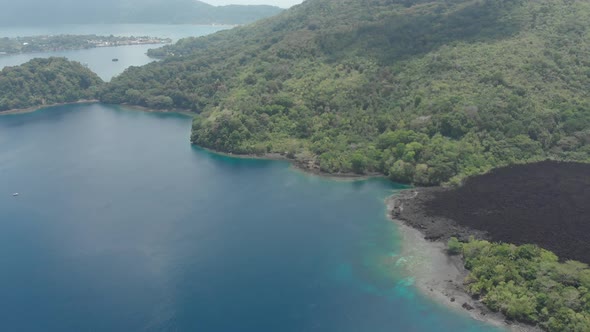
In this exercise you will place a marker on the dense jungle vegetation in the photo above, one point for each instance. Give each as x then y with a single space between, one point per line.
45 82
528 284
423 91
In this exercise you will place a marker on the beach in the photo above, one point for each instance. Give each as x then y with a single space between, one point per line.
441 276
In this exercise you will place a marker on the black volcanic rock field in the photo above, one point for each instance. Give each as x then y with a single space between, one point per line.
545 203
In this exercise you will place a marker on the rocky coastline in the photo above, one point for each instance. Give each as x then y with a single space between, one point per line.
408 206
437 274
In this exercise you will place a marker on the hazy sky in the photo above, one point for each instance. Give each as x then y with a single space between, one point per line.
280 3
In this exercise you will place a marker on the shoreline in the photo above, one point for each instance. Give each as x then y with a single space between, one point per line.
92 101
438 275
40 107
151 110
298 165
407 207
79 49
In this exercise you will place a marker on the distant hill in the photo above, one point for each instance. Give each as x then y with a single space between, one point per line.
422 91
33 12
49 81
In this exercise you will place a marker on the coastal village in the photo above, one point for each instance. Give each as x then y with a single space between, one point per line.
123 41
50 43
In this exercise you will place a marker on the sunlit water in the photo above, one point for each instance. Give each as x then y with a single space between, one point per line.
122 225
100 60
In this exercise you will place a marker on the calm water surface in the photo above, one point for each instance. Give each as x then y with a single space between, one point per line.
99 60
121 225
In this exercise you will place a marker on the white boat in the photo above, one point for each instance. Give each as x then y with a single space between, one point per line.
15 194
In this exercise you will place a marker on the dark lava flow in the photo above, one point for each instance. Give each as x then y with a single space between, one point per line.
545 203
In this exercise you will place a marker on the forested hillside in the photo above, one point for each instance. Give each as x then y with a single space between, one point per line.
36 12
528 284
423 91
45 82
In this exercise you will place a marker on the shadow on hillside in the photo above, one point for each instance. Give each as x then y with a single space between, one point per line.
424 29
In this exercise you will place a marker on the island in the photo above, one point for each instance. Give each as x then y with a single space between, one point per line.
50 43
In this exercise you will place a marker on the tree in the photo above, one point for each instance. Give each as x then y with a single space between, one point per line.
454 246
358 162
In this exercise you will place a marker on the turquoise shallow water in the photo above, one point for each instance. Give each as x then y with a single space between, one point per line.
121 225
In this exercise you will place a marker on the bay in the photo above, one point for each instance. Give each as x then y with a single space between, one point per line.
122 225
99 60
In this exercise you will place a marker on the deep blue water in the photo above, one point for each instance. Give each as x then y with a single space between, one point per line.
121 225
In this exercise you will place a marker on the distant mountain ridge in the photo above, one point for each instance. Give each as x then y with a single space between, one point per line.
33 12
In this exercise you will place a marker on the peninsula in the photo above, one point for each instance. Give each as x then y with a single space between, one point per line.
34 44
